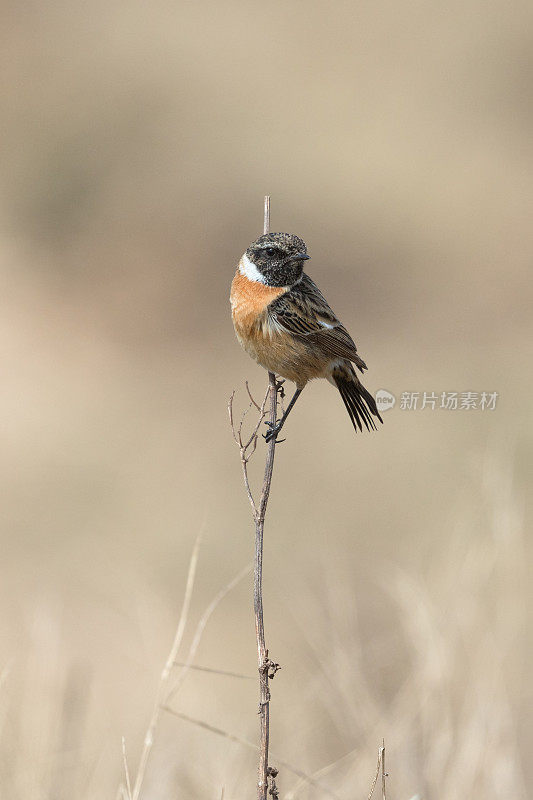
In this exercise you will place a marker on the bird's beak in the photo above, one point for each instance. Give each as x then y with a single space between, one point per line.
300 257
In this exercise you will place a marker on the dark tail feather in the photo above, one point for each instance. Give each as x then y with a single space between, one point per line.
359 403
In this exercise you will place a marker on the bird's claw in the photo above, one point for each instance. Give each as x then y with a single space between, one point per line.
280 389
272 433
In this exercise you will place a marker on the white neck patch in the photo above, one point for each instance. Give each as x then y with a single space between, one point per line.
250 271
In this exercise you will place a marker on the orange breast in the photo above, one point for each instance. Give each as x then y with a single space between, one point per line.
249 300
276 350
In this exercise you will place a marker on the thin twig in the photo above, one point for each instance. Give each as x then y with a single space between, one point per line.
215 671
163 695
319 773
266 218
263 661
383 773
149 736
376 776
201 627
267 668
247 743
185 612
250 396
126 770
247 448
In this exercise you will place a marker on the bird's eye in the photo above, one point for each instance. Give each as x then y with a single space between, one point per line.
270 251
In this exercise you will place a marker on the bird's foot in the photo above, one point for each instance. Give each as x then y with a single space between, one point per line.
280 389
273 432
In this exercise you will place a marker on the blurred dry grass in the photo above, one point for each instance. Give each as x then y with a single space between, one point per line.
138 141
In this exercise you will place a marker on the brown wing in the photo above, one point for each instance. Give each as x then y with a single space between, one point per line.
304 312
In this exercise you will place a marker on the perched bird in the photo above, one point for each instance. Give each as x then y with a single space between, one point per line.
284 323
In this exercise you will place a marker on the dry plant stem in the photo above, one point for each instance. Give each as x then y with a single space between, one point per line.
164 693
161 690
264 664
380 767
262 652
383 773
266 218
319 773
266 667
126 770
304 777
376 776
211 608
213 671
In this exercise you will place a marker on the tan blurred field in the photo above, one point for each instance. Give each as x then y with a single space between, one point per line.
137 143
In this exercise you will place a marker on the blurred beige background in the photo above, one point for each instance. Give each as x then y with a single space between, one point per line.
137 142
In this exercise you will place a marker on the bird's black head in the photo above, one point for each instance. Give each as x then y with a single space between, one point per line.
275 259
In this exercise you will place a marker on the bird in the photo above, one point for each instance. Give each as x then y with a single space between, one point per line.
283 321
